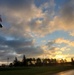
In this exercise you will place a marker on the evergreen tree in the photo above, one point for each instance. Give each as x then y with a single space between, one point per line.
16 62
24 61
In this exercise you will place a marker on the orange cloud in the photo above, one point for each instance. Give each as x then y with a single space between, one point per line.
61 40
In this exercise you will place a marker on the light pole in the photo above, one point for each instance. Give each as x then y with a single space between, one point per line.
7 61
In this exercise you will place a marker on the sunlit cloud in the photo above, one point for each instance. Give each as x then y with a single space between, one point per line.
68 42
71 33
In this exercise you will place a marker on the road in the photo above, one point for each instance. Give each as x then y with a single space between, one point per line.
71 72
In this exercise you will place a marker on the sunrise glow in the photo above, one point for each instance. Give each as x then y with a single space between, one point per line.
59 57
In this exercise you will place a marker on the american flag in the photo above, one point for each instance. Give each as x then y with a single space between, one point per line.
0 19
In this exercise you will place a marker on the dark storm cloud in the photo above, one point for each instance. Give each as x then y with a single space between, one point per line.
14 43
17 47
2 39
67 11
4 54
30 51
16 3
18 43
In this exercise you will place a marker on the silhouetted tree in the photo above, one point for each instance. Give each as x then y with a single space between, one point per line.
38 62
24 61
16 62
72 61
29 61
34 61
10 65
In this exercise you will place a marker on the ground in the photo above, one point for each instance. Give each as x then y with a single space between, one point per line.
45 70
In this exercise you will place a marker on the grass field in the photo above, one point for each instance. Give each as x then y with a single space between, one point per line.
34 70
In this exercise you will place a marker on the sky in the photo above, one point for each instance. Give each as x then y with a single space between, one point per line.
36 29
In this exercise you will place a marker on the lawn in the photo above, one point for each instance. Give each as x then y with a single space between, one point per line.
48 70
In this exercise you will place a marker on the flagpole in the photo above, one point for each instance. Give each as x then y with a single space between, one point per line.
0 22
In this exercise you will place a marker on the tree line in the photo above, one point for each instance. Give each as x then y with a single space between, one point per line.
39 62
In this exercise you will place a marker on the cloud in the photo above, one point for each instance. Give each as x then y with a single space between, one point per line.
62 40
18 47
4 54
51 49
65 19
24 17
30 51
51 23
71 33
17 19
39 21
68 12
14 4
66 48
